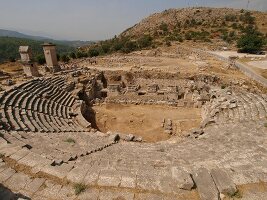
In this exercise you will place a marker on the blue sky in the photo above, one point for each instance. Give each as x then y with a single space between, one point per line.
93 19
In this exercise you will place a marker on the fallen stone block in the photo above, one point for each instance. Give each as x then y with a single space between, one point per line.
205 185
223 182
182 178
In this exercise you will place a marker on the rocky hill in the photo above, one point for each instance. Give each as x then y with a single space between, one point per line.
214 21
212 27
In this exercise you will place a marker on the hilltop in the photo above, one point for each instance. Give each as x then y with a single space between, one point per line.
196 19
214 27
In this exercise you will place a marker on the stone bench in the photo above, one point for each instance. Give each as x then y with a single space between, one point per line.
44 122
38 123
12 121
8 101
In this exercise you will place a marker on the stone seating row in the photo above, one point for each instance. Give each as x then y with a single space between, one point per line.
55 146
249 107
24 108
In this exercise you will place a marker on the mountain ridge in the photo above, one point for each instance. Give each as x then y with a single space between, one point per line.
17 34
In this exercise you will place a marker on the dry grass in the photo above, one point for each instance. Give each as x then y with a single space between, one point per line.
11 67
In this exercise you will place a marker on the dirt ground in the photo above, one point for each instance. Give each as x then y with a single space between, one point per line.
15 67
145 120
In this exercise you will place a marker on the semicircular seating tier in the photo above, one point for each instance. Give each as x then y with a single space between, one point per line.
39 105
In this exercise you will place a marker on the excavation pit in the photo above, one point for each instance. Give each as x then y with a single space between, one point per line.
145 120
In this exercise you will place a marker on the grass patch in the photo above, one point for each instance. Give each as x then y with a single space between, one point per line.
223 87
70 140
236 195
265 124
79 188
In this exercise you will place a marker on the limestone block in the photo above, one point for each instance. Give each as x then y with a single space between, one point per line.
205 185
223 182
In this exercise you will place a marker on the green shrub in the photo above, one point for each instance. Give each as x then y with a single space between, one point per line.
79 188
81 54
237 195
70 140
11 59
93 52
64 58
145 41
163 27
247 18
230 18
251 42
130 46
40 59
73 55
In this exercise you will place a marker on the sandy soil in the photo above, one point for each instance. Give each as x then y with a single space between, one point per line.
145 120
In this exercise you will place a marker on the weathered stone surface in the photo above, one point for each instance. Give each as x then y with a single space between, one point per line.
20 154
18 181
6 174
147 196
108 194
57 171
77 174
67 193
3 166
223 182
128 180
9 150
91 177
33 159
182 178
34 185
205 185
51 190
147 181
89 194
109 178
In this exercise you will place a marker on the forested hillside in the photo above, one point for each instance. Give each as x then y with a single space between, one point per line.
9 48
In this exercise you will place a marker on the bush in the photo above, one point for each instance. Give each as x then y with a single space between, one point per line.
251 42
130 46
168 43
247 18
73 55
79 188
145 41
230 18
64 58
40 59
81 54
70 140
93 52
11 59
106 47
234 25
163 27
